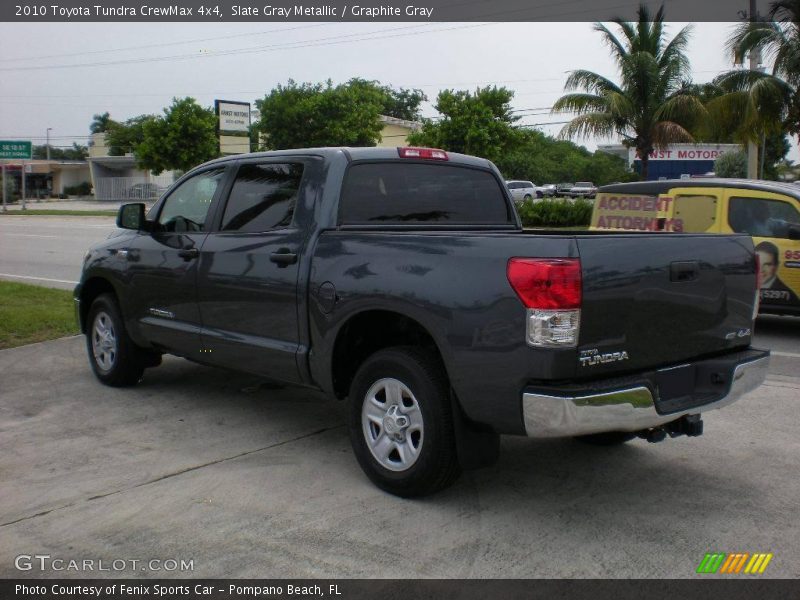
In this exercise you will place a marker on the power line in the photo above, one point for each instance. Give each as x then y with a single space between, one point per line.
164 44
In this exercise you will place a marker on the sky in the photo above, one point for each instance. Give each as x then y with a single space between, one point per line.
137 68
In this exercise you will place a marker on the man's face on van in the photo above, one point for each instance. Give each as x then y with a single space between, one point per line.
768 267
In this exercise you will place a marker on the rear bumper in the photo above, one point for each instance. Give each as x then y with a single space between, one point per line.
634 405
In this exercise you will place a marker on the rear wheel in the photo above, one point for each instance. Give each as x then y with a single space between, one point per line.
528 197
610 438
115 359
401 422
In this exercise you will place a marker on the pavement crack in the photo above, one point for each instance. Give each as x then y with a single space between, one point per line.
177 473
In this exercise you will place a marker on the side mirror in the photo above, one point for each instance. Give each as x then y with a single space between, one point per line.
794 232
131 216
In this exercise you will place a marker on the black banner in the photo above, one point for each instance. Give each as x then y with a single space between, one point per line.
737 588
356 11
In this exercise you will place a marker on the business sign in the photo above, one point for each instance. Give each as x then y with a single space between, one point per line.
15 149
707 152
234 117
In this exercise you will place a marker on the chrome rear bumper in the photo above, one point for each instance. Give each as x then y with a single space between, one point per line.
628 409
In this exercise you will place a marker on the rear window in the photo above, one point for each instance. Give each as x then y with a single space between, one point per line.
414 193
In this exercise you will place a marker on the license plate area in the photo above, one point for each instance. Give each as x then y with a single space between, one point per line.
676 388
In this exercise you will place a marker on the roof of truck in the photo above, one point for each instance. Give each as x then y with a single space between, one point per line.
653 188
371 153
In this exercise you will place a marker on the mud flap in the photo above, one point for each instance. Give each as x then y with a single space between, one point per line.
477 446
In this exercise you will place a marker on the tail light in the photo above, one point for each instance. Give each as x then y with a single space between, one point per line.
551 290
757 301
427 153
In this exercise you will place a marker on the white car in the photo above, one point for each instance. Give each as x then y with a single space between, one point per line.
522 190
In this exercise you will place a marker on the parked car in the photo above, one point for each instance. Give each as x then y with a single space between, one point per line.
548 190
522 190
583 189
401 279
768 211
563 189
144 191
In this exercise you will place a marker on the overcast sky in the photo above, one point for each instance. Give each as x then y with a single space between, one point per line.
154 62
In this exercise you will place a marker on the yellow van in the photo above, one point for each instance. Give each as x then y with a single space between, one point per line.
768 211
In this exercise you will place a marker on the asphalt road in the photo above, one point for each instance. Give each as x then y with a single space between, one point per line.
48 250
249 480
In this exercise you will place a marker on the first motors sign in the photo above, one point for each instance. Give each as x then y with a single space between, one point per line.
14 149
688 152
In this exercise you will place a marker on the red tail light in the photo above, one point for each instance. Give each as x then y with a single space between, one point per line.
427 153
546 283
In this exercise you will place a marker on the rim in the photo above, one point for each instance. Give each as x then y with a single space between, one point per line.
392 424
104 341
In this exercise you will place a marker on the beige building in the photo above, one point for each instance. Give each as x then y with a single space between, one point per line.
395 132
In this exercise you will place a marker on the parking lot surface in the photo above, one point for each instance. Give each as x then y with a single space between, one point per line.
247 479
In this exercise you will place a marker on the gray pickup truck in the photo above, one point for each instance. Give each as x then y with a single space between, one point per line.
400 279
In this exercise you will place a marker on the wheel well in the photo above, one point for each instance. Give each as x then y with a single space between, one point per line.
89 291
368 332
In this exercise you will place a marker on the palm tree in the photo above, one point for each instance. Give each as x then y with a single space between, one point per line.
765 102
650 107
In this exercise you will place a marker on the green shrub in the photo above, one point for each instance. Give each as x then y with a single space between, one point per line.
556 213
82 189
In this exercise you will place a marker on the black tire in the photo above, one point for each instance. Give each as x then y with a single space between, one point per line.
435 466
528 198
124 361
539 194
611 438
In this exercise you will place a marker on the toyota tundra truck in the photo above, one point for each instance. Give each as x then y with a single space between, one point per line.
401 281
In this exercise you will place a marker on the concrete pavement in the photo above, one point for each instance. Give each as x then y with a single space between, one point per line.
249 480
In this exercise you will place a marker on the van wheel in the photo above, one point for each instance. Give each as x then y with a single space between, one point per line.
401 422
610 438
115 359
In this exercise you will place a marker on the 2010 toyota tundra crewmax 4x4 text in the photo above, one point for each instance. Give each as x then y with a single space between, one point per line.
401 280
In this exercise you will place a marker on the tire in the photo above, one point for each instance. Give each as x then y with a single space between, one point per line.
115 359
401 422
528 198
610 438
539 194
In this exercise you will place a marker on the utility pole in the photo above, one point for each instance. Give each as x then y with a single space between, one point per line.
49 168
49 129
755 60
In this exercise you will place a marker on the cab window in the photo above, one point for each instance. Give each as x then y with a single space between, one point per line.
761 217
186 208
263 197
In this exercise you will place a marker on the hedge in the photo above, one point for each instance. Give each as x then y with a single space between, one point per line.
556 213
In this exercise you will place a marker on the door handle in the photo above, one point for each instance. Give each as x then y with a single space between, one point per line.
189 253
283 257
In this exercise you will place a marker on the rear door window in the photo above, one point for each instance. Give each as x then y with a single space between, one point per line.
415 193
263 197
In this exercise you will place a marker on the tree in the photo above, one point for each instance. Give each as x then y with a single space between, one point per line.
100 123
403 103
314 115
650 108
183 138
765 103
731 164
479 123
124 138
77 152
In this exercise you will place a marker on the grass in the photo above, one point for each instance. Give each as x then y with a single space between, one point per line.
30 313
54 211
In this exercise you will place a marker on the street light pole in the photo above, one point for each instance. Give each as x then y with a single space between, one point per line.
49 168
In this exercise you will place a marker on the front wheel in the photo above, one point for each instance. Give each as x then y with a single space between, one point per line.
115 359
528 198
401 422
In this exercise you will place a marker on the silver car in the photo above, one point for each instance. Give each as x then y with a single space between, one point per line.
522 190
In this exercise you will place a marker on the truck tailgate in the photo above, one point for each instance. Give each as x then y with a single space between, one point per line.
654 299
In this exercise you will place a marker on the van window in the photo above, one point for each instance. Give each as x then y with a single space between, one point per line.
760 217
697 212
